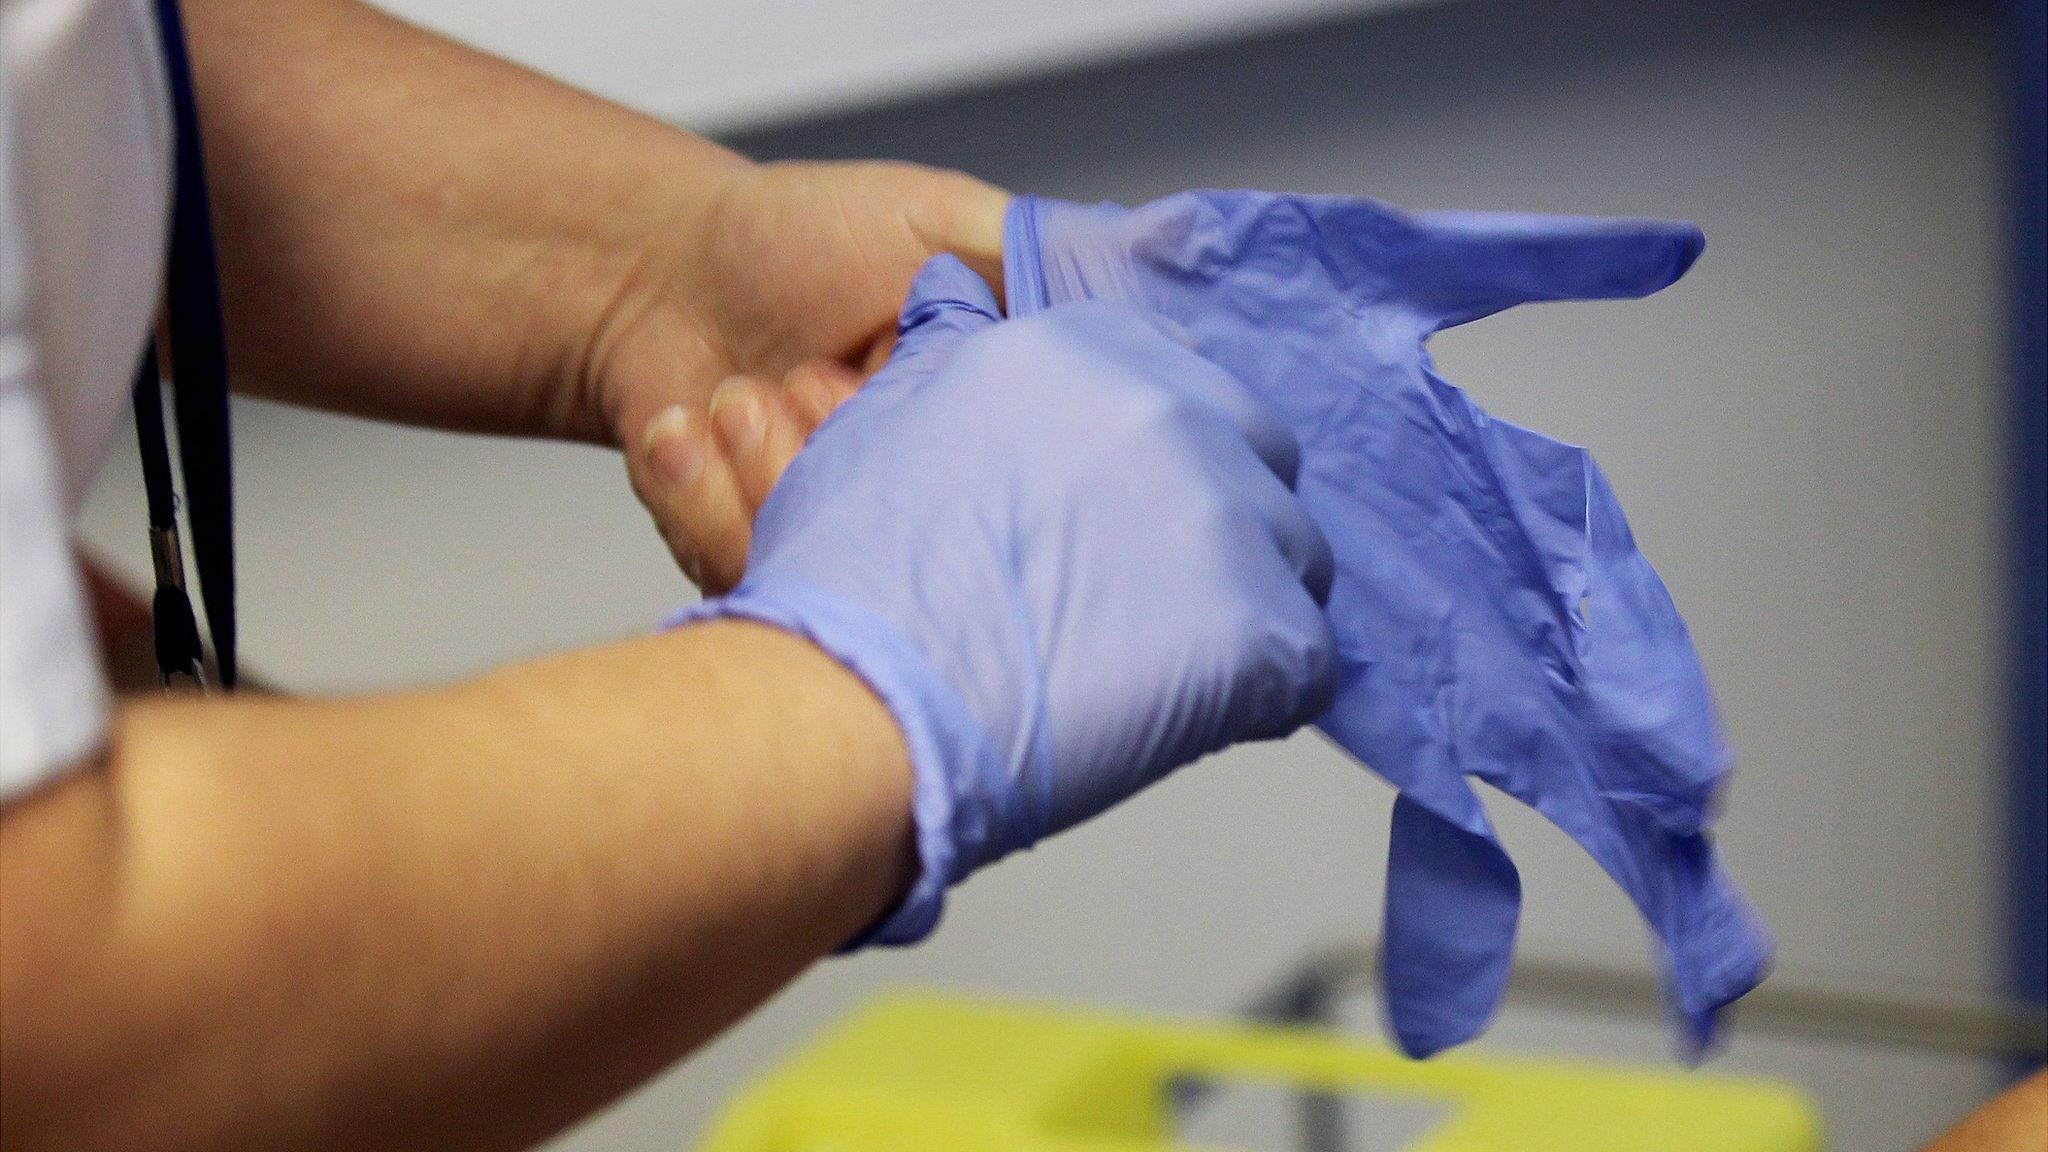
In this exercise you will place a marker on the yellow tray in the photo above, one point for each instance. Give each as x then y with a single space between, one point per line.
928 1072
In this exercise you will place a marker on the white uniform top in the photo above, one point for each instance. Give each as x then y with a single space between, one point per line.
85 162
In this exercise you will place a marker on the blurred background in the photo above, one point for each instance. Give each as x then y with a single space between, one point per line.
1808 432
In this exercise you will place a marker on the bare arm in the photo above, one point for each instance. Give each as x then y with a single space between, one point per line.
415 230
457 918
2015 1121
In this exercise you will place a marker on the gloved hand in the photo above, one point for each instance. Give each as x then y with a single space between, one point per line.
1493 615
1064 553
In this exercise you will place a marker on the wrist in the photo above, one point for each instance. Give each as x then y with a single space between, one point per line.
641 275
847 805
745 733
959 819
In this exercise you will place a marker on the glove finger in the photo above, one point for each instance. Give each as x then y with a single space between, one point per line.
1290 677
1712 945
1160 351
1453 900
1157 349
1204 383
1715 948
1467 265
947 304
1300 541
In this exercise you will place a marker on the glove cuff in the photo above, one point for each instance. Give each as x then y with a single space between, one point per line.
947 748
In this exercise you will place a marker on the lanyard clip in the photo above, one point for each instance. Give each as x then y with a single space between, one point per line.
180 660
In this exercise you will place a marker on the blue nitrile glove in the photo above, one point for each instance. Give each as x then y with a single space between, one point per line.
1493 616
1064 553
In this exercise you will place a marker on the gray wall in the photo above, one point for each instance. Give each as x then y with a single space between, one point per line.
1801 430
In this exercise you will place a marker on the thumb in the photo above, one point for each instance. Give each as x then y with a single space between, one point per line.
947 304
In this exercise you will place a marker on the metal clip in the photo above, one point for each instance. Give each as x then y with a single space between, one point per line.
180 658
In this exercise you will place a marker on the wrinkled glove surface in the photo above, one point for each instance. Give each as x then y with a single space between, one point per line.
1064 553
1493 616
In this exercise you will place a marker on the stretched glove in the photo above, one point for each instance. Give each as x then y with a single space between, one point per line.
1064 553
1493 616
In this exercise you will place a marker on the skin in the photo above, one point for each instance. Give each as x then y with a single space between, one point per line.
2014 1121
465 917
416 231
450 919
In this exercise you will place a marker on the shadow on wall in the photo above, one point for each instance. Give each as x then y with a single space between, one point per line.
1084 134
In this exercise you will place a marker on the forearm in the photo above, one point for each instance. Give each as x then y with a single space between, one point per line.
414 230
451 919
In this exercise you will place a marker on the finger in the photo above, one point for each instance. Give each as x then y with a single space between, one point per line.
1263 428
947 304
1303 545
1160 348
687 483
759 433
814 389
878 353
966 218
1452 905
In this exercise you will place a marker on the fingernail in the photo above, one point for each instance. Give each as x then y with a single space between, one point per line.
675 447
738 413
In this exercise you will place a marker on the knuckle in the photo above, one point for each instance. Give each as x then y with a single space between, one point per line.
1147 409
1211 518
1290 663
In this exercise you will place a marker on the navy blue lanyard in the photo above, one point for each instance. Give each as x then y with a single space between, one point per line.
194 347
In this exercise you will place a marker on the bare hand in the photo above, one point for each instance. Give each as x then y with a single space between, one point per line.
712 377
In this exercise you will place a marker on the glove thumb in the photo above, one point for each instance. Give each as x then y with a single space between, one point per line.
947 304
